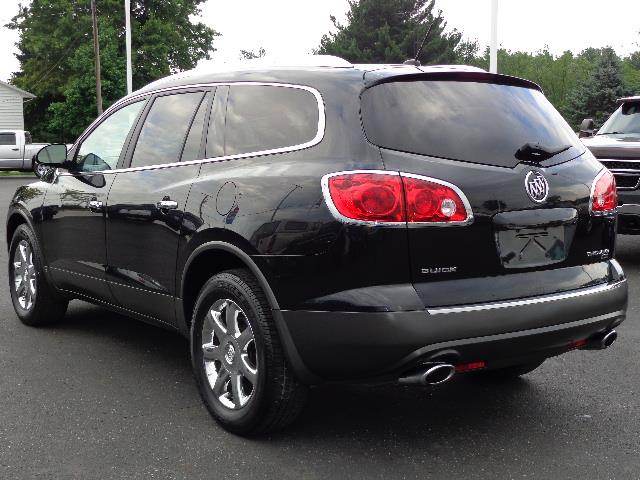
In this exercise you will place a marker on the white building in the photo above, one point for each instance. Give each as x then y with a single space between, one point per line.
11 106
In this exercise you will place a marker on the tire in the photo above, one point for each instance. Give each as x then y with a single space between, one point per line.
36 303
255 389
511 372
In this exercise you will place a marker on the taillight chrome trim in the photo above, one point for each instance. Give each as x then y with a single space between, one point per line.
326 193
324 182
463 197
613 211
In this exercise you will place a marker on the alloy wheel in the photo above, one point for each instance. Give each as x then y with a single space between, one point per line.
24 275
229 354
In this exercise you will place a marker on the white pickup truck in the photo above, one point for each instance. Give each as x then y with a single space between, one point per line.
17 150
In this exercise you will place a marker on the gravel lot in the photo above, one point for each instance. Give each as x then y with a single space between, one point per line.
102 396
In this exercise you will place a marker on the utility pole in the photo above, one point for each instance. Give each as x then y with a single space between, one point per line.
127 23
493 51
96 50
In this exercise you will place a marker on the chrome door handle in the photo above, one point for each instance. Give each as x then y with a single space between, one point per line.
167 204
96 206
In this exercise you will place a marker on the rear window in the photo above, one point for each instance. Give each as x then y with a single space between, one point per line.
470 121
268 117
7 138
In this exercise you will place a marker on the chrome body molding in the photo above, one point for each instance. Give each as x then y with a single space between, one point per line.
529 301
629 209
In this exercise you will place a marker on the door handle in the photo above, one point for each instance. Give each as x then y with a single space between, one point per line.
15 149
167 204
96 206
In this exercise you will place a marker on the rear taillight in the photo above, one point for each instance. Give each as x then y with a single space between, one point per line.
604 197
393 198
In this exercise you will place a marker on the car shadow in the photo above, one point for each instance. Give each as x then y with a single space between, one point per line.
461 409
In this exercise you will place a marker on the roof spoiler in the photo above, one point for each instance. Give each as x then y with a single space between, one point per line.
458 76
628 99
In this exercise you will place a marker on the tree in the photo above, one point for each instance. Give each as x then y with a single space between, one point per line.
250 54
56 57
390 31
595 97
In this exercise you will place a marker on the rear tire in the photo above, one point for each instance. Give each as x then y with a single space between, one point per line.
36 303
236 353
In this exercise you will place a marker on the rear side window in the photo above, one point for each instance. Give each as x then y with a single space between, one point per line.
192 145
470 121
7 138
165 128
268 117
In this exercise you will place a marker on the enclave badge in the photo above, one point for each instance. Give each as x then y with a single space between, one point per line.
536 186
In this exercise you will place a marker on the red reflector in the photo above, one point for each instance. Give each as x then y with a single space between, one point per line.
373 197
578 344
604 197
432 202
466 367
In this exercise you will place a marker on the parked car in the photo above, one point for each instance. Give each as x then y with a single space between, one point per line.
328 223
617 145
17 150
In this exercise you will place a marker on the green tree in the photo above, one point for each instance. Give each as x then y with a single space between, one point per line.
57 64
595 96
250 54
390 31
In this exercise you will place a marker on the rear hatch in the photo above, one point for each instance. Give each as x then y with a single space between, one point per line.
525 174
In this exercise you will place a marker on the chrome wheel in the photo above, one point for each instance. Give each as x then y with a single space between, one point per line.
24 275
229 354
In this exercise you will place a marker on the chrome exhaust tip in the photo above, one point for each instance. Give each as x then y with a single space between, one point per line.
429 374
609 338
600 341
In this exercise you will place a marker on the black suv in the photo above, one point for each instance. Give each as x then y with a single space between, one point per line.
617 146
316 224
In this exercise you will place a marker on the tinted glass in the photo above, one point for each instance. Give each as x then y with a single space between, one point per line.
268 117
165 128
475 122
624 120
101 149
7 138
191 149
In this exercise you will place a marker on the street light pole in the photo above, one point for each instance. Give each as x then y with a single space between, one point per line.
493 51
127 22
96 52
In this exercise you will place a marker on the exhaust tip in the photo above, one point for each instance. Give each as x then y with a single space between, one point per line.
609 338
439 374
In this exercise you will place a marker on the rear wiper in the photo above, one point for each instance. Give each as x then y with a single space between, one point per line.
534 152
610 133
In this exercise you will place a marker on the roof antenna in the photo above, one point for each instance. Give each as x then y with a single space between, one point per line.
414 61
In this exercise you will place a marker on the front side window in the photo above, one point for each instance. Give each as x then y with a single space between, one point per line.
263 118
102 148
165 128
7 138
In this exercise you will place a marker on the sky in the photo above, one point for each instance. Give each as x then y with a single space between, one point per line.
294 27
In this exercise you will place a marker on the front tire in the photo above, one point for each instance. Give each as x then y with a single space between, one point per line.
238 361
36 303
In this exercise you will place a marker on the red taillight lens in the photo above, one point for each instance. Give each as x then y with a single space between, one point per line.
467 367
432 202
604 197
371 197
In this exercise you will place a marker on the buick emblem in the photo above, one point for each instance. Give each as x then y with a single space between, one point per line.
536 186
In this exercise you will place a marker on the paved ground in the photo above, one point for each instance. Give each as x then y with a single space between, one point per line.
101 396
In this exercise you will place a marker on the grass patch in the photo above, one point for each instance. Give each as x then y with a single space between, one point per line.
13 173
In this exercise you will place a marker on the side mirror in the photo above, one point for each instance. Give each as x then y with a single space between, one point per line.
587 128
49 157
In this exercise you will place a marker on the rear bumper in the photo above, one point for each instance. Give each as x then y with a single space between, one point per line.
337 346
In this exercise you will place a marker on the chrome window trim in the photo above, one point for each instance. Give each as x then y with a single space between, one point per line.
338 216
311 143
529 301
